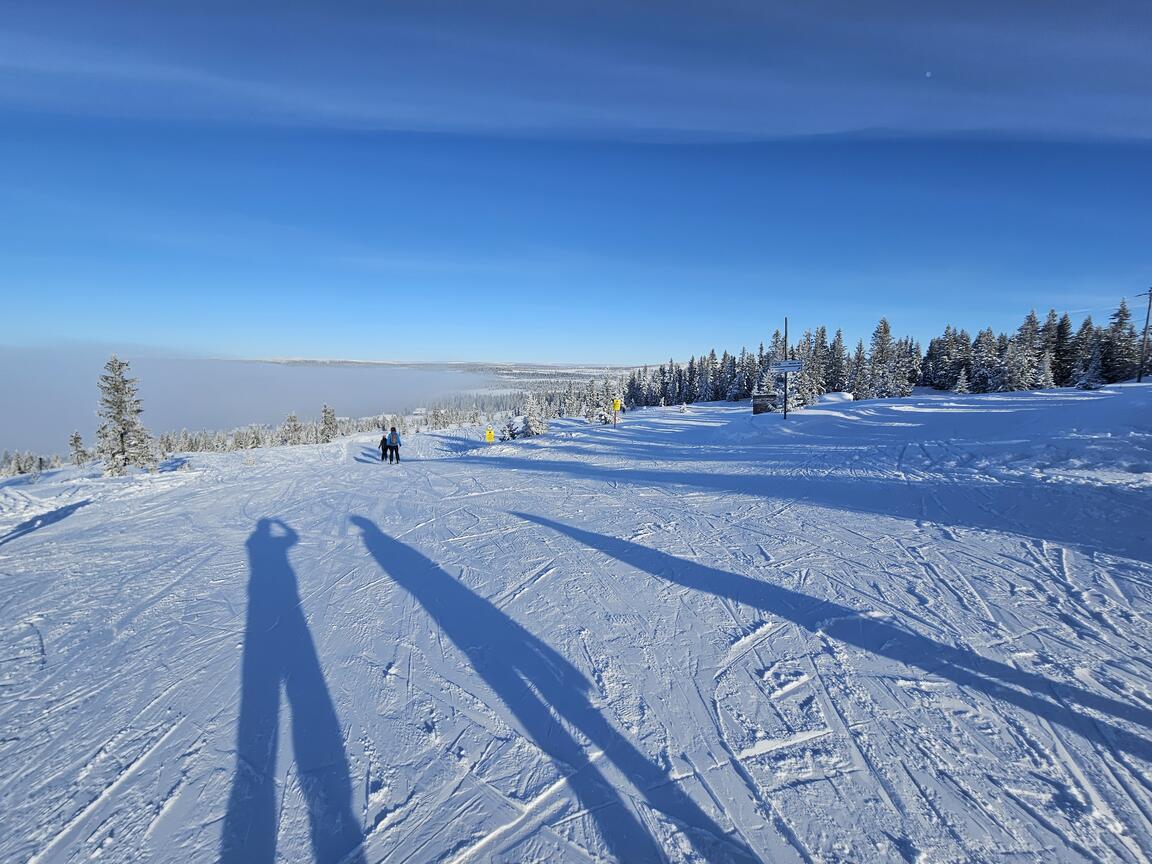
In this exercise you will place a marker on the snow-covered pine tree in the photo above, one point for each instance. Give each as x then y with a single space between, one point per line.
1049 332
291 430
908 362
1028 338
933 363
807 384
1086 343
509 432
986 372
959 357
1064 353
734 383
1019 370
882 365
1119 349
961 385
534 422
692 381
837 365
777 350
859 378
1089 377
76 445
1044 379
328 426
592 402
121 441
747 371
708 378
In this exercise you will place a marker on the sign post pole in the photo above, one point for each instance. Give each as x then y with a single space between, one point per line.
785 371
1144 344
784 367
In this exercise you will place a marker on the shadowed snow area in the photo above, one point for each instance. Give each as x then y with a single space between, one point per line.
895 630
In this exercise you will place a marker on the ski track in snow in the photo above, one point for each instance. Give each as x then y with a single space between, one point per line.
881 631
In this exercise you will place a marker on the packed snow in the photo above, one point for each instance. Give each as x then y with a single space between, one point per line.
892 630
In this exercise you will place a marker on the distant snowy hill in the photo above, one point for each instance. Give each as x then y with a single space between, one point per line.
894 630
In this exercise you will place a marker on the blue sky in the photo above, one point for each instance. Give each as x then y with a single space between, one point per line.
602 182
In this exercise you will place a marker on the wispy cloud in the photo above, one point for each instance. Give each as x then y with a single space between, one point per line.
739 71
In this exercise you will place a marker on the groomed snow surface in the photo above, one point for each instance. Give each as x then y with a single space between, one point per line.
908 630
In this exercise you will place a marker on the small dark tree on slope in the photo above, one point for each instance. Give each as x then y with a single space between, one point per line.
121 441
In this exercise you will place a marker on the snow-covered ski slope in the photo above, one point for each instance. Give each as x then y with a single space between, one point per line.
908 630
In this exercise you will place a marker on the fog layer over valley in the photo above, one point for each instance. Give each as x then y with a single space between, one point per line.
48 393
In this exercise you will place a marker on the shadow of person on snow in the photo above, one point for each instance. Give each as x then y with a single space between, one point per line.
278 651
1036 694
42 521
532 680
369 456
1108 519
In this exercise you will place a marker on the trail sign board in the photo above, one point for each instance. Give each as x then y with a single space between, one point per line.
782 366
615 404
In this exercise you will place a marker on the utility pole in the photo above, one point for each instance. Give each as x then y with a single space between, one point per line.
1144 344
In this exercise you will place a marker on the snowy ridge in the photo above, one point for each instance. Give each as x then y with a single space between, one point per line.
897 630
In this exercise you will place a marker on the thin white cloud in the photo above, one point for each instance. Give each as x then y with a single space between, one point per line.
788 74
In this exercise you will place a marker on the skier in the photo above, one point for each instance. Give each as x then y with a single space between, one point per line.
393 447
384 446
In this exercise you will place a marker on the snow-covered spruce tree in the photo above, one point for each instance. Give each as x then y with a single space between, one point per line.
837 365
986 371
291 431
908 363
692 381
509 432
1044 378
807 385
1064 353
958 357
121 441
1029 337
1019 370
708 377
329 429
748 369
883 366
1085 342
1119 349
1089 377
961 385
76 445
534 422
859 378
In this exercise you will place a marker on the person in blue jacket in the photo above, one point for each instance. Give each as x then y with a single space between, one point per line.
393 445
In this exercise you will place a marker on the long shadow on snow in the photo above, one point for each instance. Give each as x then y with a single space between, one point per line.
529 676
369 456
457 443
1034 693
42 521
1116 521
278 650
